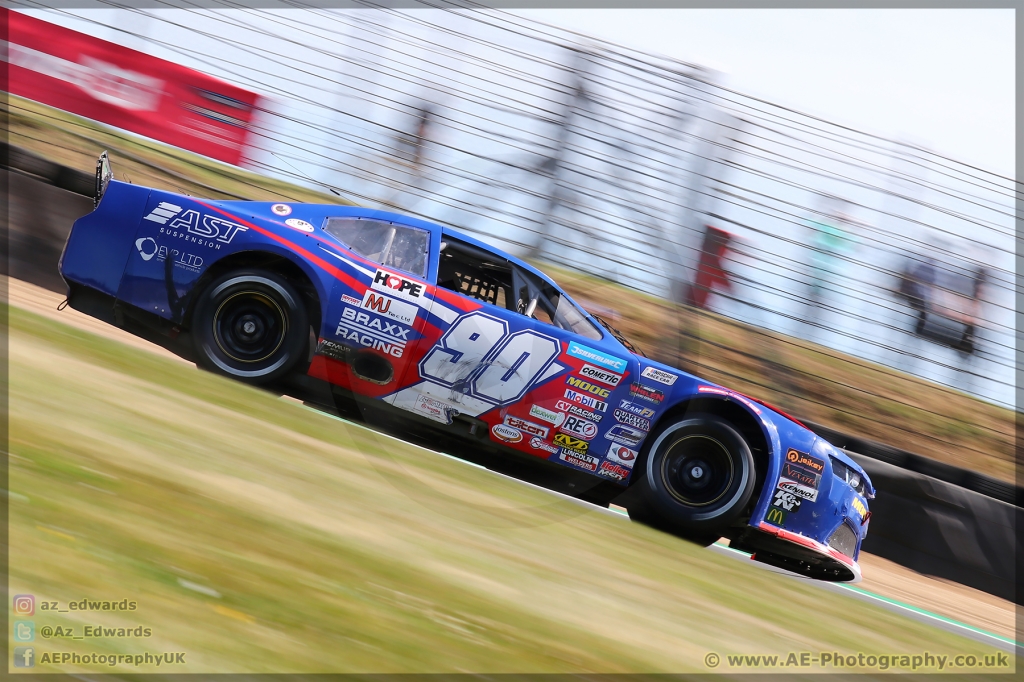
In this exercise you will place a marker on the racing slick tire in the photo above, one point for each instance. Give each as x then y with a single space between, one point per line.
250 325
697 478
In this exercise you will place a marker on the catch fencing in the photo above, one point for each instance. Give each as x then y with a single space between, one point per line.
622 164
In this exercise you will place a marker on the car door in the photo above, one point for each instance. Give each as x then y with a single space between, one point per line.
376 331
487 355
580 406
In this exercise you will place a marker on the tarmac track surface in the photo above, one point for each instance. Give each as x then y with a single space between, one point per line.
941 603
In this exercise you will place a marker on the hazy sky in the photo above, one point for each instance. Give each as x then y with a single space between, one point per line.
941 78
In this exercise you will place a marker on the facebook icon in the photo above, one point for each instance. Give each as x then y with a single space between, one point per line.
24 656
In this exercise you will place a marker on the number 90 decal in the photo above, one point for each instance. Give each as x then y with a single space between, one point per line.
478 356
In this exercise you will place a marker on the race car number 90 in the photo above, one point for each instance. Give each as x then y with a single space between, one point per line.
478 352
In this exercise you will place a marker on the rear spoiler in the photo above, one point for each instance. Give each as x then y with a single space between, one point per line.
103 176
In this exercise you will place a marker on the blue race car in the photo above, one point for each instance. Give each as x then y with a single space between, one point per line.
428 324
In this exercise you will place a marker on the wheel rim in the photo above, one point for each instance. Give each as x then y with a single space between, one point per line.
697 470
249 326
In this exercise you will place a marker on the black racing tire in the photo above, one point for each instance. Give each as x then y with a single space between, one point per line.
697 477
251 325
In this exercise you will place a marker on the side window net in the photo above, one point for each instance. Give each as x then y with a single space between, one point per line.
479 286
392 245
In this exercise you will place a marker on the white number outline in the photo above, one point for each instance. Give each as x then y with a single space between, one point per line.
468 383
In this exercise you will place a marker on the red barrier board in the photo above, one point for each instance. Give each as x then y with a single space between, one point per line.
125 88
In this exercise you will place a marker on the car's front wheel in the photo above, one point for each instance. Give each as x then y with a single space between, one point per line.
697 478
250 325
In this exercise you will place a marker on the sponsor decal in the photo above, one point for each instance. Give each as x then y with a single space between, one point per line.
803 468
622 455
193 227
807 461
333 350
793 472
526 427
570 442
798 489
547 415
587 400
432 408
652 395
506 433
163 212
281 209
148 249
639 411
372 332
587 387
786 500
580 427
399 311
627 435
300 225
578 459
351 300
859 506
602 375
578 350
396 285
613 471
661 376
775 516
575 409
540 444
624 417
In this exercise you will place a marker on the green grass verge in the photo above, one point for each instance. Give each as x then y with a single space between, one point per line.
257 535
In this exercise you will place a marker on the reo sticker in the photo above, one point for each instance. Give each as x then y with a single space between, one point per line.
399 311
396 285
580 427
622 455
602 375
506 433
661 376
526 427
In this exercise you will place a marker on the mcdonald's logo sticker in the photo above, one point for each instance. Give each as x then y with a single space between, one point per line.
775 516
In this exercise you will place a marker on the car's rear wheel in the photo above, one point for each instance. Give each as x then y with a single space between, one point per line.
251 325
697 478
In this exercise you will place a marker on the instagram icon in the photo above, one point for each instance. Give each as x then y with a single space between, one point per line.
24 604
